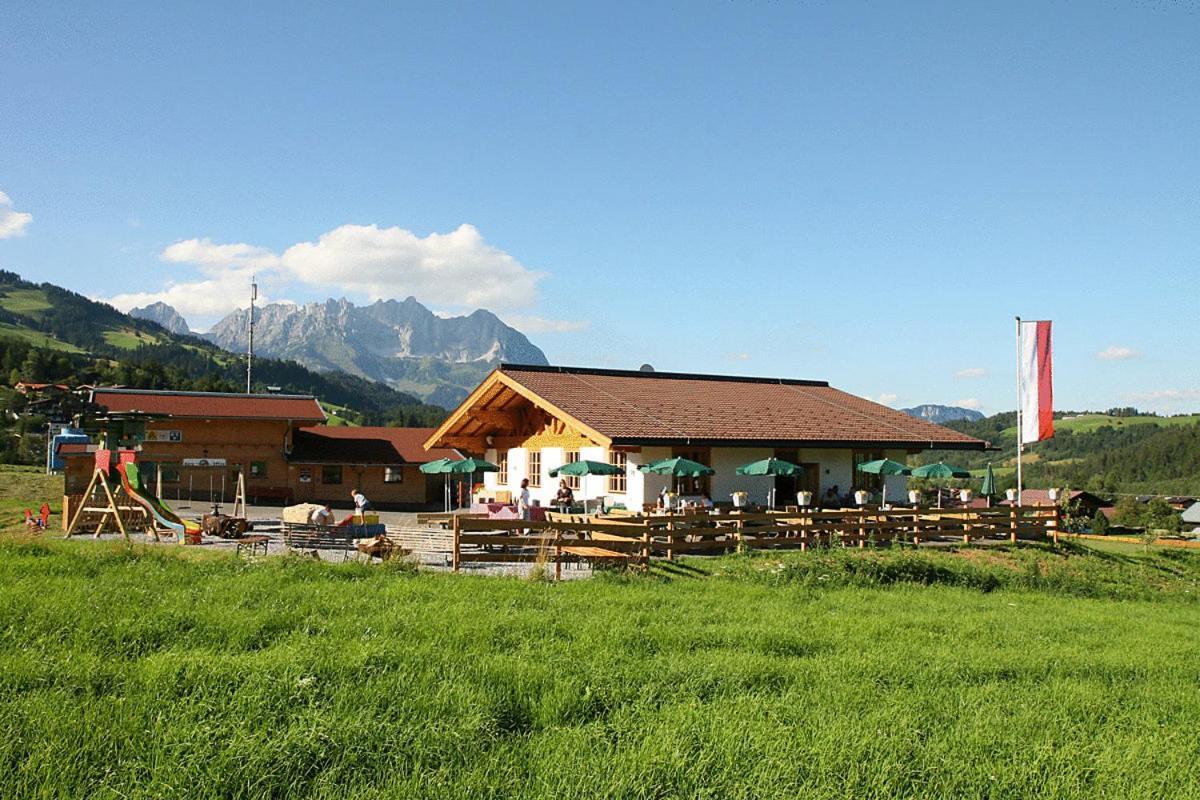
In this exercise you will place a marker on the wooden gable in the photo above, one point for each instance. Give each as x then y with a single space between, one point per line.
512 416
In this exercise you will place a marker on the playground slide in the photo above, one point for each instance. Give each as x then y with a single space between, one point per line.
163 515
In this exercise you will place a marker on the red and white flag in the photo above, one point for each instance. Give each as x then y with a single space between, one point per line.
1037 392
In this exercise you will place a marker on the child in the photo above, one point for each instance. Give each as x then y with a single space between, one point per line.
44 516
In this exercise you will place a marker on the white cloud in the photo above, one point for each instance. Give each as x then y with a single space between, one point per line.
456 270
887 398
214 258
970 403
1166 395
740 356
971 372
1115 353
530 324
12 222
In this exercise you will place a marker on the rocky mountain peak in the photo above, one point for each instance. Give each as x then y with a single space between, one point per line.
164 315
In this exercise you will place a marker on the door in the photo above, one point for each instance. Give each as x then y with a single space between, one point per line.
786 486
693 486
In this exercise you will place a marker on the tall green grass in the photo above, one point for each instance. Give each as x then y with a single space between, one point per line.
141 673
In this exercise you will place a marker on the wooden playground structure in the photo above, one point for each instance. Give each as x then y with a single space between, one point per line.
106 505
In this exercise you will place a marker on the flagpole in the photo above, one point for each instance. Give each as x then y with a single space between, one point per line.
1020 434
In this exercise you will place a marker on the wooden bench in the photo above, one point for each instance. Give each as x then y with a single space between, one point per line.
253 543
327 537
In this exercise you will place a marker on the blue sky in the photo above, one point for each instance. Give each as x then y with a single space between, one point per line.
860 193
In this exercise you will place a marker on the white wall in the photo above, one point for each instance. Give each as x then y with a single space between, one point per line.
835 464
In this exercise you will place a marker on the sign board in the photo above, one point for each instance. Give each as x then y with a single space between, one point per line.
164 436
306 477
204 462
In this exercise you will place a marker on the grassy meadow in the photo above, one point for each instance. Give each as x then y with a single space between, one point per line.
154 672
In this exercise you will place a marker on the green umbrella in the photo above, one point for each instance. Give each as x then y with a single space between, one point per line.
449 466
584 467
771 466
436 467
679 466
580 468
988 489
939 470
471 465
884 466
989 483
440 466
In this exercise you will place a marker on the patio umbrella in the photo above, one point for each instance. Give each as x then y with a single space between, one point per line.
940 470
440 466
678 467
988 489
773 467
448 467
583 468
884 466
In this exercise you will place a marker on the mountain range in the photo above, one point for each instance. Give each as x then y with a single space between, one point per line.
400 343
940 415
51 334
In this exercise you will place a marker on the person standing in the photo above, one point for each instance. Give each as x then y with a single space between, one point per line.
44 516
361 503
523 500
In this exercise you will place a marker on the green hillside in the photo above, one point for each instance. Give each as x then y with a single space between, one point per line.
1125 452
52 335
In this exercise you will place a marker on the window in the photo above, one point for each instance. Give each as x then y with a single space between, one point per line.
502 462
331 474
573 481
617 483
535 468
393 474
258 469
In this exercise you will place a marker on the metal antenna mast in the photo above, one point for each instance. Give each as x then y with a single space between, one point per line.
250 336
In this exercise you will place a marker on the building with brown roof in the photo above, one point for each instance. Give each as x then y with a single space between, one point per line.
200 442
384 463
530 419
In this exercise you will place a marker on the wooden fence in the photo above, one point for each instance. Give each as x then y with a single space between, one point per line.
565 538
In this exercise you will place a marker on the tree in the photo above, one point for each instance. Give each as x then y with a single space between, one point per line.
1160 516
1100 524
1130 513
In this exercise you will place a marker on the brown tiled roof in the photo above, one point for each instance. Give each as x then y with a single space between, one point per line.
649 407
326 444
301 408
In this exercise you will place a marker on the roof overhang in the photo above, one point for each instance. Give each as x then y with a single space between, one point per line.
490 410
801 443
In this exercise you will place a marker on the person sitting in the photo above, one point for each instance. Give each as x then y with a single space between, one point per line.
322 515
565 497
29 520
705 500
832 498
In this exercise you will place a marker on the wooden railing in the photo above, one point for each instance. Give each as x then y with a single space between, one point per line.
565 538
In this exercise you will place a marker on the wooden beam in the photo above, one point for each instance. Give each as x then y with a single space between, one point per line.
488 417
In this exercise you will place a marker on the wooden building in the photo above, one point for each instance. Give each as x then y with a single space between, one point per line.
530 419
200 442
